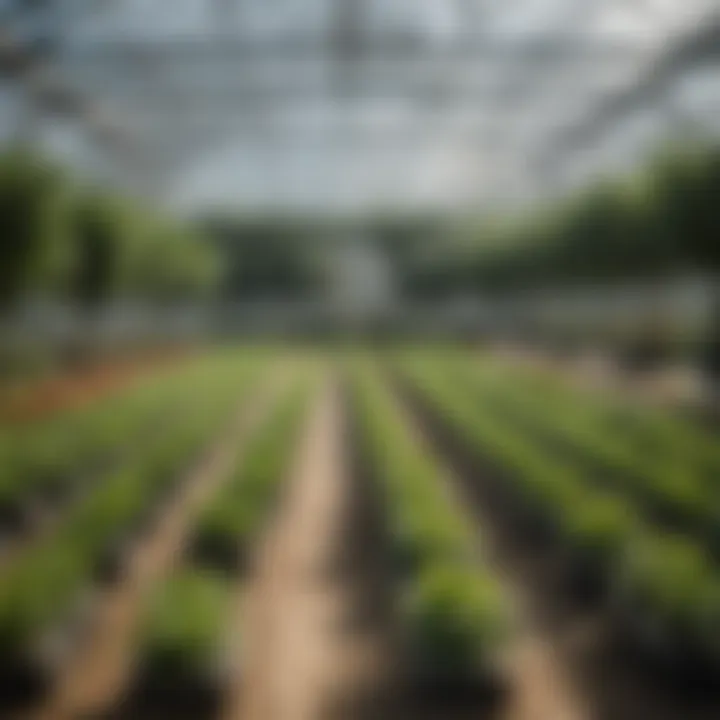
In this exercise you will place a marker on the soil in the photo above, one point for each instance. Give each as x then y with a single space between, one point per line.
315 648
41 399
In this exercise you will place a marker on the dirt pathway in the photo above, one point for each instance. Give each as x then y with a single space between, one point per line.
95 678
542 689
311 654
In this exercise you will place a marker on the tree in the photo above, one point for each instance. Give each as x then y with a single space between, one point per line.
687 188
33 226
264 258
101 240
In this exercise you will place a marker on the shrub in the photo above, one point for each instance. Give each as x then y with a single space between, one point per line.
456 619
183 630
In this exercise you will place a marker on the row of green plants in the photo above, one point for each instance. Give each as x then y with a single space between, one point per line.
676 490
51 459
662 589
452 612
656 430
186 643
41 593
225 535
186 639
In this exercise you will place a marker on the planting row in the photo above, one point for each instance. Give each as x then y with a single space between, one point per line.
46 463
43 595
677 492
649 430
662 590
189 641
450 610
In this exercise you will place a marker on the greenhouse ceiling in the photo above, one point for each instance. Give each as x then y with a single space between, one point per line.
362 104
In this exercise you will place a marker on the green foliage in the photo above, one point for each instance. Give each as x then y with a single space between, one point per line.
168 263
91 247
685 183
57 453
424 527
267 257
39 589
231 523
607 522
183 629
451 609
670 583
457 619
33 206
99 243
36 590
661 221
562 427
601 531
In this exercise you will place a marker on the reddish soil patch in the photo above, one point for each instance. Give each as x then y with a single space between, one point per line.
68 391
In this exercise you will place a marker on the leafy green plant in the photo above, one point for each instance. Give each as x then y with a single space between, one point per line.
668 579
665 582
50 458
183 630
456 619
601 531
232 522
36 590
451 610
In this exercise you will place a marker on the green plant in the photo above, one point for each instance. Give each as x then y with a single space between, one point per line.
666 582
36 590
456 619
451 610
232 522
183 629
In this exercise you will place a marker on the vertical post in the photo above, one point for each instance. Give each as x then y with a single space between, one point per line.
345 43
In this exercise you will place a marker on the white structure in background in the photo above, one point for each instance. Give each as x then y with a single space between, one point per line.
362 281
